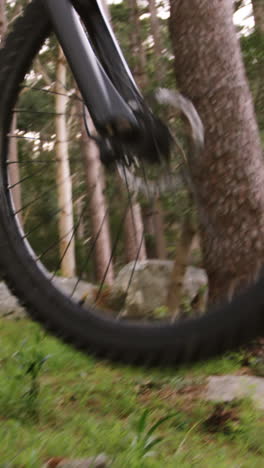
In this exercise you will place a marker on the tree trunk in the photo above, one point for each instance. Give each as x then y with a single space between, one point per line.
155 31
258 10
13 171
3 22
229 175
79 208
134 229
149 228
175 288
154 230
134 234
160 241
63 175
94 173
138 51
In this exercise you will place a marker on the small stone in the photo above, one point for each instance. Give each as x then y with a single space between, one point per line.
11 309
9 305
231 387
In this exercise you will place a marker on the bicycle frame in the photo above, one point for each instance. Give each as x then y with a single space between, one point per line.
104 79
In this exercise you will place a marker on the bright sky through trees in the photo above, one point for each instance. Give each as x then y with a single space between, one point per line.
244 17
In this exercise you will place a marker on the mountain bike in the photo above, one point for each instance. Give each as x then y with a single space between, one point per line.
105 107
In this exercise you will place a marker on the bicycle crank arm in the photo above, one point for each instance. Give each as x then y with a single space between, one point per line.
109 111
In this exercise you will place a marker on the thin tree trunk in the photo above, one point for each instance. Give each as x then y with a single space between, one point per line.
140 74
155 31
158 218
63 175
133 226
154 229
94 173
134 234
174 296
160 241
79 207
3 21
137 46
149 228
229 176
13 171
258 10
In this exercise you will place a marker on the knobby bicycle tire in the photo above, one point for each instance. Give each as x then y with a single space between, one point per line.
223 328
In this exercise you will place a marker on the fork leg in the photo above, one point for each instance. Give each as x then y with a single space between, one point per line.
108 109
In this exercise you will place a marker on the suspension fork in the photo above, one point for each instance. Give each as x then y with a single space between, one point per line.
109 110
107 48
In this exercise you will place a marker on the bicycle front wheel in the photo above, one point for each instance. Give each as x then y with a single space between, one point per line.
52 233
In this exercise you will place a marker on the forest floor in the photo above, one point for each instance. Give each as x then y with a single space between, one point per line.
57 402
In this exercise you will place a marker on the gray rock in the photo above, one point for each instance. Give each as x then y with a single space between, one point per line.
194 279
147 291
149 286
230 387
67 285
9 305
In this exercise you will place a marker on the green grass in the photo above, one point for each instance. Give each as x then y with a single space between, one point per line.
55 401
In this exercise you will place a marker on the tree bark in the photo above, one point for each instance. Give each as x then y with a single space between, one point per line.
258 10
94 174
160 241
137 46
134 234
158 217
155 224
133 226
79 208
155 31
229 176
13 171
175 288
63 175
3 22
